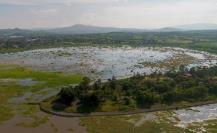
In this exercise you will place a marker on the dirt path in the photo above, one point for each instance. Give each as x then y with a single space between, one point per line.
64 114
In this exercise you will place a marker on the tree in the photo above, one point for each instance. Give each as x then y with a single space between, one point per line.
86 81
144 99
89 103
112 83
84 85
182 68
162 87
68 94
213 89
98 84
168 97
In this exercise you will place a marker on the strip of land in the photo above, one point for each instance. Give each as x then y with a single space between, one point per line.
141 93
65 114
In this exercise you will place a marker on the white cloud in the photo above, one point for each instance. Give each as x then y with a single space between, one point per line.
120 13
149 15
39 2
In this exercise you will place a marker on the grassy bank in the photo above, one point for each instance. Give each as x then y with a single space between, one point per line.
10 75
45 79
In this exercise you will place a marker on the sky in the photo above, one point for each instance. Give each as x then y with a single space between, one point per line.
147 14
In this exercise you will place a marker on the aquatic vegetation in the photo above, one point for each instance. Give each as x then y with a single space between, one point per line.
31 117
97 62
131 123
45 79
10 88
30 83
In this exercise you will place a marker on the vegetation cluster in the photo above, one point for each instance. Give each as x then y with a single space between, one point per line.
198 40
140 91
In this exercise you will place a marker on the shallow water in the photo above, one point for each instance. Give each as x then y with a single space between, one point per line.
196 114
36 97
27 82
103 62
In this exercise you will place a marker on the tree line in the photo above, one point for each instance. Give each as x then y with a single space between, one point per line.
142 91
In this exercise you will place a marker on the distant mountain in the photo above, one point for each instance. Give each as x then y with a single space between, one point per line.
200 26
86 29
14 31
167 29
20 32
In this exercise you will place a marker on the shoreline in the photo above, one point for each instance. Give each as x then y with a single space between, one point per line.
139 111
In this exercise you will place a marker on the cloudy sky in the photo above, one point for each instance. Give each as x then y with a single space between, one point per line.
115 13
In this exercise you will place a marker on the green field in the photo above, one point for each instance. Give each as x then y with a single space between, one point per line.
9 88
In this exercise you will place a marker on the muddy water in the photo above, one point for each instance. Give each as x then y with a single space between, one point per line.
53 125
36 97
104 62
